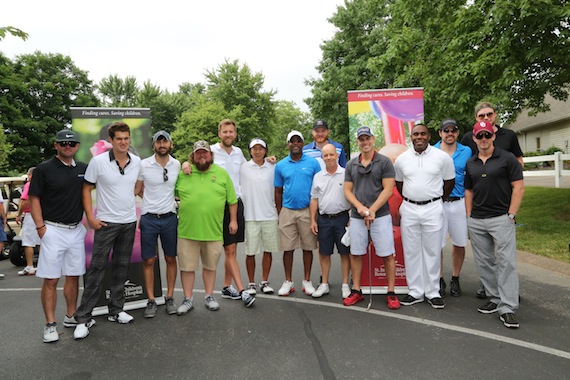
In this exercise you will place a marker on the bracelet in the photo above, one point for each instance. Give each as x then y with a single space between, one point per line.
39 228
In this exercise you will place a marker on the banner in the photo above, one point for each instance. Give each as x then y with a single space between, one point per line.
91 124
391 115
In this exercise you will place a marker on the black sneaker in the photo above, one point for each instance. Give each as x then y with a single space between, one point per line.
436 303
442 286
231 292
481 291
488 308
454 287
409 300
510 320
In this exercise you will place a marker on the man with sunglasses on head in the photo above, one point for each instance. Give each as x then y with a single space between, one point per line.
454 220
57 210
320 139
155 184
494 189
504 139
115 174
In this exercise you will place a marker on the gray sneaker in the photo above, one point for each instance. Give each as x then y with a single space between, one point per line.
50 333
211 303
150 311
171 307
247 298
184 308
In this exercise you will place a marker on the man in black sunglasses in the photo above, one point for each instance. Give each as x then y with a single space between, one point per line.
504 139
494 189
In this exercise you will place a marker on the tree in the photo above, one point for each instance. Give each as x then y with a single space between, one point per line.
38 90
287 117
4 30
115 91
460 51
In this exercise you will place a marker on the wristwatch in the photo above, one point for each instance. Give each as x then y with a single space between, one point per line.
511 216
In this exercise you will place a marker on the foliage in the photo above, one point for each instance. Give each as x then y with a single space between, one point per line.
287 118
4 30
539 165
460 51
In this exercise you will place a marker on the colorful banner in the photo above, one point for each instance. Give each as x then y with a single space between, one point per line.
91 124
391 115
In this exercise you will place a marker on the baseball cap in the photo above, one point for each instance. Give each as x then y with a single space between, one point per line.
160 134
257 141
448 122
364 131
320 124
483 126
201 144
66 135
294 133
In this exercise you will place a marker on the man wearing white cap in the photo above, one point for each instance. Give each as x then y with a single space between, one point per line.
261 227
293 180
155 184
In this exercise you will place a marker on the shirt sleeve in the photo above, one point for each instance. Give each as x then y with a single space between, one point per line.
278 178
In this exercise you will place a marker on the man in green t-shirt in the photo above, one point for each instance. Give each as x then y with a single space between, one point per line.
203 196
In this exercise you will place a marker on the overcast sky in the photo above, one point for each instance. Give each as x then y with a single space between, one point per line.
171 42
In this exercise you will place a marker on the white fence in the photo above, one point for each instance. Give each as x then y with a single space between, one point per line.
558 170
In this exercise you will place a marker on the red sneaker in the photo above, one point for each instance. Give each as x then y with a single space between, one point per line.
392 301
353 298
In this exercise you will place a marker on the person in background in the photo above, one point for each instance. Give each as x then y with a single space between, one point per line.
30 237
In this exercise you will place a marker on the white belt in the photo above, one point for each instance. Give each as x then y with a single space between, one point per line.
61 225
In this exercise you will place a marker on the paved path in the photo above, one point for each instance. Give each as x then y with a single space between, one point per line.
298 337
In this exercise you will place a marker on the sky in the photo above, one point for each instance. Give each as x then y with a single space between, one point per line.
172 42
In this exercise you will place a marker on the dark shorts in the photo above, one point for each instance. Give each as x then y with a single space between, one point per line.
152 226
3 236
331 231
239 237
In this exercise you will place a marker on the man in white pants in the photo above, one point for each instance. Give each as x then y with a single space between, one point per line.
424 175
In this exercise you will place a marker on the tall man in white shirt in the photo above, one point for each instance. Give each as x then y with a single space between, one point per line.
424 175
329 218
261 227
115 174
155 183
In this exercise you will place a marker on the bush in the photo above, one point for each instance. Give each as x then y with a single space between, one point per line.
544 164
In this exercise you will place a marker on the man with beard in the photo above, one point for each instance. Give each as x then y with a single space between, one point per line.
424 175
321 138
115 174
155 184
203 198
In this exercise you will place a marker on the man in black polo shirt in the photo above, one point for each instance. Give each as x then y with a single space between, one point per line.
57 210
494 189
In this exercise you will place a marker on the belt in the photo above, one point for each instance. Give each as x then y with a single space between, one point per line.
158 216
334 215
422 202
61 225
452 199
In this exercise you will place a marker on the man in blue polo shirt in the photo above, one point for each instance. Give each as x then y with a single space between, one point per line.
293 180
454 217
321 138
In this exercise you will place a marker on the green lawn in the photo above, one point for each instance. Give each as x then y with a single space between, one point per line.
544 223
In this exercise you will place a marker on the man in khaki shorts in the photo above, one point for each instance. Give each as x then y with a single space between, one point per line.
293 180
203 197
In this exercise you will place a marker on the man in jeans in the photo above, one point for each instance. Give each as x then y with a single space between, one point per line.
157 179
115 173
494 189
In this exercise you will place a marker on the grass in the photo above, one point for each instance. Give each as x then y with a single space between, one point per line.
544 219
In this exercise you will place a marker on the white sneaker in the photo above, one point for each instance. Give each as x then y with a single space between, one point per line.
287 288
265 288
251 288
308 287
50 333
1 276
321 290
27 271
345 291
81 331
122 318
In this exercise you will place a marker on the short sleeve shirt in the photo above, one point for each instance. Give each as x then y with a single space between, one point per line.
230 162
158 196
460 156
328 189
296 179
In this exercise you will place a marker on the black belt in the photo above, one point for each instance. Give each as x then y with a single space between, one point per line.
334 215
422 202
158 216
452 199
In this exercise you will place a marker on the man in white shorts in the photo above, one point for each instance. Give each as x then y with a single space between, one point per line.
30 237
261 227
57 210
368 184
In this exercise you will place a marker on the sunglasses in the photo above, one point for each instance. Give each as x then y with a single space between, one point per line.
450 130
72 144
486 135
482 115
164 175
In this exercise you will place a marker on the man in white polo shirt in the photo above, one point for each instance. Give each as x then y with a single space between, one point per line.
157 179
424 175
115 173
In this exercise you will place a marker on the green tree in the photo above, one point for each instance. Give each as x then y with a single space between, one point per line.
287 117
5 30
115 91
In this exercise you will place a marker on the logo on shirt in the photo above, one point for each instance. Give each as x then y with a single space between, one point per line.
213 179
